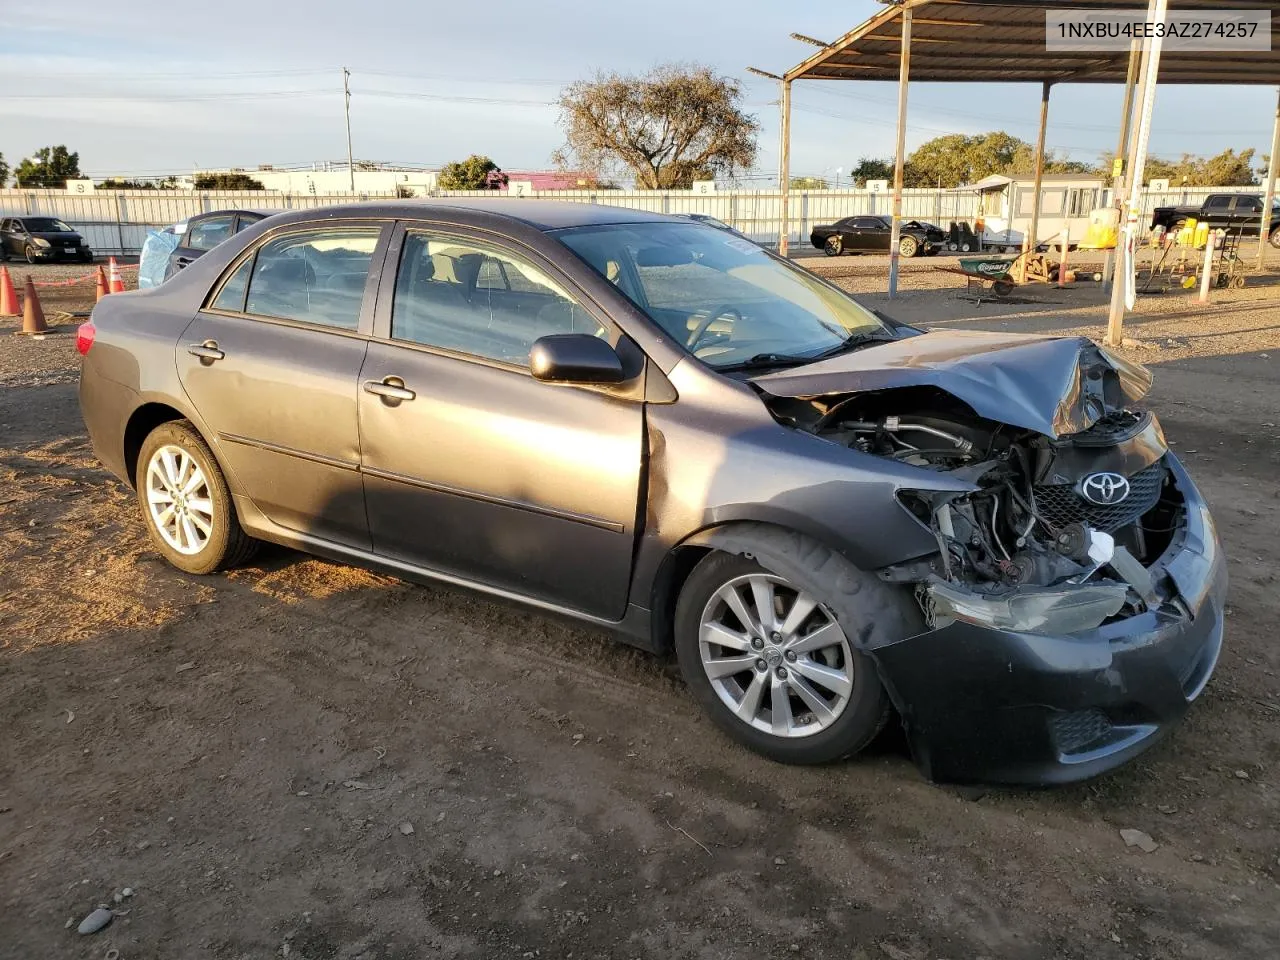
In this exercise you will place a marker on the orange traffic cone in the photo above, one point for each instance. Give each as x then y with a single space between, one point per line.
113 273
8 296
102 290
32 315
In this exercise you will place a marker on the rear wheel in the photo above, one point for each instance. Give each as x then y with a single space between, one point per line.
186 504
771 656
1275 238
833 247
908 246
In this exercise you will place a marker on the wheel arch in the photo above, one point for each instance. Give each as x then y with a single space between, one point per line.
771 543
144 419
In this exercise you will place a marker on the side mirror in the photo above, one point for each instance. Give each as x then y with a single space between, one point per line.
574 358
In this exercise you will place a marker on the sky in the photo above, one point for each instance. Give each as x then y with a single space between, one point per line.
154 88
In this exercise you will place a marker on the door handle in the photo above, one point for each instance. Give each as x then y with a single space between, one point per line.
391 389
207 351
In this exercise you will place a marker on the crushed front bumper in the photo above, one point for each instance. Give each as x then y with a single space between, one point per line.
995 706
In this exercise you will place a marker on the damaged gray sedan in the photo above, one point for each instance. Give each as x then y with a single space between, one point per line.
654 427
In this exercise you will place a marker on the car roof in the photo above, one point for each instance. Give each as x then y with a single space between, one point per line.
540 214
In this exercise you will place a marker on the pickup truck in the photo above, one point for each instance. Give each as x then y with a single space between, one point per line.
1230 211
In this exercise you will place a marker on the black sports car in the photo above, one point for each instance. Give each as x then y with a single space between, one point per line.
671 433
41 238
872 235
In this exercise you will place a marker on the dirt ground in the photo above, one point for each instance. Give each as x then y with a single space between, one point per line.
308 760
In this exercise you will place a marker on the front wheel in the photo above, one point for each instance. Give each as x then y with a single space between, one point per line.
770 662
908 246
186 504
31 254
833 247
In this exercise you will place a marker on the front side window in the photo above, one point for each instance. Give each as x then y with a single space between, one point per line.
721 296
47 225
869 223
207 234
313 276
1218 203
478 300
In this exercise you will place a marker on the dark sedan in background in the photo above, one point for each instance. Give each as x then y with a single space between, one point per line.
654 427
873 234
203 232
37 239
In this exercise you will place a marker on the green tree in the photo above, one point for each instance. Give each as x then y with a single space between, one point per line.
869 168
668 127
1226 169
49 167
226 181
4 172
470 174
807 183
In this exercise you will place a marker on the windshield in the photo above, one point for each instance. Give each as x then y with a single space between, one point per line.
45 225
721 296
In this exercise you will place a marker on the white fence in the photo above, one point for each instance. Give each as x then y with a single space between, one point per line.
117 222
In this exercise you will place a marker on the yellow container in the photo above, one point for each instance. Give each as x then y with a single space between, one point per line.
1187 233
1101 234
1201 235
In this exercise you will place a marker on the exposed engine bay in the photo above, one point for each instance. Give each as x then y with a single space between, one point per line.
1056 534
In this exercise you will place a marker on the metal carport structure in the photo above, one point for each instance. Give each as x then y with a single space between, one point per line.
1003 41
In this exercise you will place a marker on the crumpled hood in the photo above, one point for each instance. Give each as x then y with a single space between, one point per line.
1053 385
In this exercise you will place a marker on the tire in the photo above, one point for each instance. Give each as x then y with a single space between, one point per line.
1237 283
953 246
833 246
965 248
862 611
1002 288
211 537
1274 239
30 252
908 246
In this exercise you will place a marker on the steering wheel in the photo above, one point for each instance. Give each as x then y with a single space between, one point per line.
722 311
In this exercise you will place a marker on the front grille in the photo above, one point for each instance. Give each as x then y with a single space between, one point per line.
1071 732
1060 503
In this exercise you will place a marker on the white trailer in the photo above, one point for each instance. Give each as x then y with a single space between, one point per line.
1005 208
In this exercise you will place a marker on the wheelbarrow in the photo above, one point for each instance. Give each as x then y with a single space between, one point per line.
1005 273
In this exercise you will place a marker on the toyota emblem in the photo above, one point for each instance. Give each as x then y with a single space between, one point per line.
1104 489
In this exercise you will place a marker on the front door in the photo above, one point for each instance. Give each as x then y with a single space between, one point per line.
272 365
471 467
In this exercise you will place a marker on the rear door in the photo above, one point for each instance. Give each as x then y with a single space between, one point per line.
472 467
1217 210
1247 214
272 365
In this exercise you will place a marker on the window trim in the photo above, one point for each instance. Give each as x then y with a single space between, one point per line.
373 283
473 235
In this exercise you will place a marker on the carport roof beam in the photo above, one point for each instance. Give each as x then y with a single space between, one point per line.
971 41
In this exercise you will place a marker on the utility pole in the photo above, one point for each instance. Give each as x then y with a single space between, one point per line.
1268 194
1122 291
346 94
904 75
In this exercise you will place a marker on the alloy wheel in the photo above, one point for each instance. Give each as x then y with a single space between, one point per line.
179 500
775 656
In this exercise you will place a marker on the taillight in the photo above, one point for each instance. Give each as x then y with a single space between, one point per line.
84 337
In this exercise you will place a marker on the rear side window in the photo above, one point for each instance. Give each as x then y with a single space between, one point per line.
313 276
231 296
207 234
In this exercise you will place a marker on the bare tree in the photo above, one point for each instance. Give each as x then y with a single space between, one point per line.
669 127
